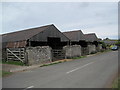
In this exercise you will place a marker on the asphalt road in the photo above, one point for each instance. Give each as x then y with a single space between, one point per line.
90 72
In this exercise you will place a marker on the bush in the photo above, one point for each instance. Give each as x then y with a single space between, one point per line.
103 45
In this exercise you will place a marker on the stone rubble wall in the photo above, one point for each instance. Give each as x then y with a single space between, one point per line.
72 51
38 55
91 49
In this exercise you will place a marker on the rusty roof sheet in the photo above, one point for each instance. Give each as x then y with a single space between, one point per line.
76 35
19 44
23 34
91 37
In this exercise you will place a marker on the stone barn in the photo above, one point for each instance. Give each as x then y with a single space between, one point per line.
93 43
35 45
77 38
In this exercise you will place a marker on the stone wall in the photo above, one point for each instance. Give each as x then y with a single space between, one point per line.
4 54
38 55
72 51
91 49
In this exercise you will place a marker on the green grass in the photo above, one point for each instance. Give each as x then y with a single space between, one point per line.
4 73
13 62
116 83
78 57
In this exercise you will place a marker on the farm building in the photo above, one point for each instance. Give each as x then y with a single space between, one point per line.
34 44
93 42
77 38
46 44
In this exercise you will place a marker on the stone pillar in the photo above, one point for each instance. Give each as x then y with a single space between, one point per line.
72 51
91 49
38 55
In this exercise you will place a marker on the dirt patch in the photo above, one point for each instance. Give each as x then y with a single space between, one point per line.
8 67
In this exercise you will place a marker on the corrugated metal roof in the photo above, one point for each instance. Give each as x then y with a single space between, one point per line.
76 35
91 37
23 34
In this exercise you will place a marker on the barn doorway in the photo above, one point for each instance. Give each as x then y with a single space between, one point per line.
57 48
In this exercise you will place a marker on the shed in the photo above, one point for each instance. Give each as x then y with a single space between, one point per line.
77 38
91 38
93 43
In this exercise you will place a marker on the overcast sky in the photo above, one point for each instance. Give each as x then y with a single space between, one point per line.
90 17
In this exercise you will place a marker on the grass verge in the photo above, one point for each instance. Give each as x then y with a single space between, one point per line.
79 57
51 63
4 73
13 62
116 83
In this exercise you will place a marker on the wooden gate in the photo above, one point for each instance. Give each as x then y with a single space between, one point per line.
16 54
58 54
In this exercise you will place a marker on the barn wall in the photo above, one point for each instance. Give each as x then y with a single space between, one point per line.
50 32
38 55
72 51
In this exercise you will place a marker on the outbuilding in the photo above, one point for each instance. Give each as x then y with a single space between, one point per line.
93 43
77 38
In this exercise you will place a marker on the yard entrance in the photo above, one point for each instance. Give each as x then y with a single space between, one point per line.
16 54
57 48
58 54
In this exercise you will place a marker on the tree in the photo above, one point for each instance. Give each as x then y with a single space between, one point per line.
103 45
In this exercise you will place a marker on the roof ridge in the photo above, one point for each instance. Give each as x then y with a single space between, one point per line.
89 33
72 31
27 29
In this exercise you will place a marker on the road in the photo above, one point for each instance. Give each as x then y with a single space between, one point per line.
90 72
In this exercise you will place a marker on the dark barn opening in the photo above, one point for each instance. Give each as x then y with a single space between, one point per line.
83 43
54 42
36 43
74 43
95 43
